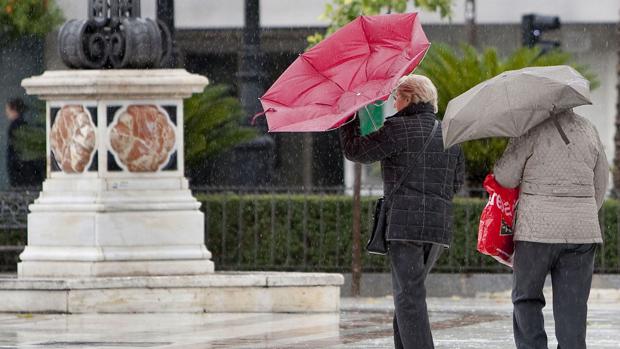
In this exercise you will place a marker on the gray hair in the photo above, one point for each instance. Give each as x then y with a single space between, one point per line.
418 89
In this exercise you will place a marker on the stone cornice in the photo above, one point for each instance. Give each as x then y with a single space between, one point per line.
115 84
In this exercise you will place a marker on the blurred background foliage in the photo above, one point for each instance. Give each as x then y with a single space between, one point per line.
212 124
28 17
340 12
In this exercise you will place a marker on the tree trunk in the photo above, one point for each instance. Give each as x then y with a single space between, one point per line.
616 172
307 159
356 265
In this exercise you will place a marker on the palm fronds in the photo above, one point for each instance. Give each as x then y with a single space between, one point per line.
212 121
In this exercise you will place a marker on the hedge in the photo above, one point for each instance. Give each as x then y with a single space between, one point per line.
313 233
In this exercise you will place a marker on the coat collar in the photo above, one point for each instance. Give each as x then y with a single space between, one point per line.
417 108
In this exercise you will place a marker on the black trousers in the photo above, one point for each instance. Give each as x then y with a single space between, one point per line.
571 267
411 263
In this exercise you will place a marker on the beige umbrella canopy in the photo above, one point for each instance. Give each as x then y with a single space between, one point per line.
512 103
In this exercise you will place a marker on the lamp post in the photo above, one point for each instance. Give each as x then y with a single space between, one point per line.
165 14
470 22
254 160
250 87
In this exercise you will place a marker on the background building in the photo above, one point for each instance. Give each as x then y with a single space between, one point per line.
209 38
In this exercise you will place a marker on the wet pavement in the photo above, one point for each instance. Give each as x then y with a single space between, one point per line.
362 323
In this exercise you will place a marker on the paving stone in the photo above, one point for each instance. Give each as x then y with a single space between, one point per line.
362 323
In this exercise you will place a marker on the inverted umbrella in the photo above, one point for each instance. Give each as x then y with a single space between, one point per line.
512 103
357 65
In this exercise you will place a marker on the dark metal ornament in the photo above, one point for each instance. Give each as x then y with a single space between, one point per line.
114 37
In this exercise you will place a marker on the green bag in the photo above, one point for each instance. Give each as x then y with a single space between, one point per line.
371 119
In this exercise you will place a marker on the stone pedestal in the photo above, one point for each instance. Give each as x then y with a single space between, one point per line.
115 202
116 229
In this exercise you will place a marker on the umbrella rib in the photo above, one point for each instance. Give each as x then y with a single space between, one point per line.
321 74
368 44
272 101
512 117
365 66
374 126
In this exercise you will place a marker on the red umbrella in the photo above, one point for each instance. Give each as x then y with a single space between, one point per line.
357 65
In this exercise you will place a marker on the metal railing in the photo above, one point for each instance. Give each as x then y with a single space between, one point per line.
13 222
280 226
291 228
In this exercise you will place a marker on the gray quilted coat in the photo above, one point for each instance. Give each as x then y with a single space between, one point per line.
562 186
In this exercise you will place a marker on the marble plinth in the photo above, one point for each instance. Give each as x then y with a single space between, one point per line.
115 201
221 292
115 227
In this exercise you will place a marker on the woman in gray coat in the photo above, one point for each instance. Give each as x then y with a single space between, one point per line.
562 173
419 219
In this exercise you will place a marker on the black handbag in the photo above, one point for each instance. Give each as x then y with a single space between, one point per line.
377 244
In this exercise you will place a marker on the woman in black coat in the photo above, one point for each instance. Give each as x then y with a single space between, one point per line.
419 217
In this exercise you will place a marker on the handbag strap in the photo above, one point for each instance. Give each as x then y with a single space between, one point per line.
560 130
402 178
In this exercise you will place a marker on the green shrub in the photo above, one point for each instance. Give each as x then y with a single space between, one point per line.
313 233
212 120
10 257
283 231
608 255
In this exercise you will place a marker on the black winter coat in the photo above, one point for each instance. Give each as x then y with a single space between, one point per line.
421 209
15 165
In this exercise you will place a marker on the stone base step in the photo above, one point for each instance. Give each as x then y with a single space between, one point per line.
221 292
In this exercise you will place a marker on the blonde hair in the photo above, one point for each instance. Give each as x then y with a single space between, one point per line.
418 89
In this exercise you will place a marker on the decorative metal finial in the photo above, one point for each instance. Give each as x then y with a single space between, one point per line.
114 37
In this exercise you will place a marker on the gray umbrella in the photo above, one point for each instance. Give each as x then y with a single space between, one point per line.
513 102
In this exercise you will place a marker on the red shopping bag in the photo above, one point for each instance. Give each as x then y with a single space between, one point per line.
495 230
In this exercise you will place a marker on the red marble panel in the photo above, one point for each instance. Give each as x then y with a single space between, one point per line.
72 138
142 138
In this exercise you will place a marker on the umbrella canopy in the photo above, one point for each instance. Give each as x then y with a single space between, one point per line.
513 102
357 65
